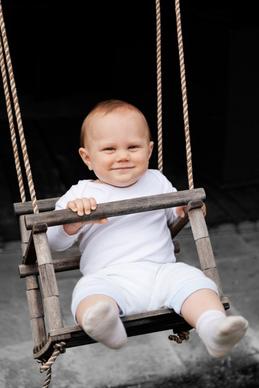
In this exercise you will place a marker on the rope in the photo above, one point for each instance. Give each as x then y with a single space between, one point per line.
26 161
159 87
184 95
46 367
5 62
179 337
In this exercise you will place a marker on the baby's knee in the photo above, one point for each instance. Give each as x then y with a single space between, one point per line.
97 314
94 306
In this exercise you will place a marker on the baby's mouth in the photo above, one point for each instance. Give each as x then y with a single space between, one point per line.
123 168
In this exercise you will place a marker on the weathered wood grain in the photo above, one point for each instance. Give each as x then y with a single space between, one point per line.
48 282
117 208
35 310
203 245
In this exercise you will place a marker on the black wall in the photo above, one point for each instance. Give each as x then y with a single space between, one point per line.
69 55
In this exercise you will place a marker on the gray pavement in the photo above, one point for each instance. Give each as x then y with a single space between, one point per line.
149 360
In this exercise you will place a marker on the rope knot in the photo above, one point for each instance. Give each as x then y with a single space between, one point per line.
58 349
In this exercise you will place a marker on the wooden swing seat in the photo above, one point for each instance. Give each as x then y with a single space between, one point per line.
138 324
39 262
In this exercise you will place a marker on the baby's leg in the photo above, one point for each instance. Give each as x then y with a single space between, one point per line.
204 311
98 315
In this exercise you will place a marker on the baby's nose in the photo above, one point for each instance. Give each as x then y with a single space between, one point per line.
122 154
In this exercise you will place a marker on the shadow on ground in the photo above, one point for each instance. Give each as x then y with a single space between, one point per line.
222 374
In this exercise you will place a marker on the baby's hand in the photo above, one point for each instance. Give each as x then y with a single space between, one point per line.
180 211
81 206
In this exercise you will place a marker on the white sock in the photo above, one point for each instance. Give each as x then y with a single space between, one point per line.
103 324
219 332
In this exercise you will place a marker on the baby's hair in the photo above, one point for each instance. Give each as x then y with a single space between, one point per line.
105 107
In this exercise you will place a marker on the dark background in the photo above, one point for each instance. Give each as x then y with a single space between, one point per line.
67 56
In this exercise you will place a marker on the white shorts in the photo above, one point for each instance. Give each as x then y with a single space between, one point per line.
143 286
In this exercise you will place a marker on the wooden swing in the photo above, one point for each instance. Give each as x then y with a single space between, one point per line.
50 336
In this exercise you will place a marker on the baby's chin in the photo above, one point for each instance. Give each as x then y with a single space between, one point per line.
120 184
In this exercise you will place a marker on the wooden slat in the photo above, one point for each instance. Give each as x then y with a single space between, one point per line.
118 208
60 265
36 311
203 245
204 249
43 205
48 282
137 324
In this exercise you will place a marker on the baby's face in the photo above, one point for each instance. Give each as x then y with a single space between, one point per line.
117 147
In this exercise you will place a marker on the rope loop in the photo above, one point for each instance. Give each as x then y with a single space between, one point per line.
59 348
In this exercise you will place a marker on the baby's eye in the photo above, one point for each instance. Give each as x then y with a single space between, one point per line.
133 147
109 149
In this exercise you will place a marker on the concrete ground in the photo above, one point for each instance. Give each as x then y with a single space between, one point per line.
149 360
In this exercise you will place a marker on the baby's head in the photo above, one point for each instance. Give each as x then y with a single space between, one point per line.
116 143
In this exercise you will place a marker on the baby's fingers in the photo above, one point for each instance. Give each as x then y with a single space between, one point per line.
93 204
180 211
77 206
89 204
102 221
72 205
82 205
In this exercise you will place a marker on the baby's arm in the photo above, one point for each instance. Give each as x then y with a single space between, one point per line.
81 206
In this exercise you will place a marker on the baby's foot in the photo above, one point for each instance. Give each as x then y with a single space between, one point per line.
103 324
228 332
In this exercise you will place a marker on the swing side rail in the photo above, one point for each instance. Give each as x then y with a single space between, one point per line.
36 226
110 209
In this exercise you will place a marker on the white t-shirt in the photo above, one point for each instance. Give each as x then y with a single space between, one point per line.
130 238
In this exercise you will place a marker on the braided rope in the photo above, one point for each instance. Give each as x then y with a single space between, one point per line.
179 337
18 113
11 125
46 367
184 95
159 87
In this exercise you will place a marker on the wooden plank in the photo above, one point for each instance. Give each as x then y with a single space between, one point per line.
42 248
199 227
35 303
203 245
60 265
205 251
52 312
48 282
117 208
43 205
136 324
35 310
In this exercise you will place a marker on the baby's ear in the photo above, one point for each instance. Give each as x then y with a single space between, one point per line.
85 157
151 146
